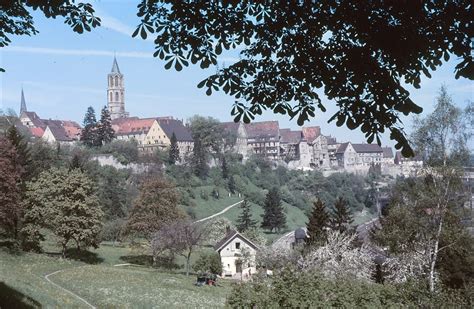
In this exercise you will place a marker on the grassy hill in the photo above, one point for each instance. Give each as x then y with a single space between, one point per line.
101 284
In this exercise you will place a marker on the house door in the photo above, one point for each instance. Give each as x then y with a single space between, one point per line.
238 267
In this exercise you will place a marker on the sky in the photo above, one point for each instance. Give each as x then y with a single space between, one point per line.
62 73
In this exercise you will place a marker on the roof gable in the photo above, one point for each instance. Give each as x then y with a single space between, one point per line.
231 235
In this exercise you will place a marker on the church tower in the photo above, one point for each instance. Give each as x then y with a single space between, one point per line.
23 103
116 93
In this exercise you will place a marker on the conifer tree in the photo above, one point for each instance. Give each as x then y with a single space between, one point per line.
231 184
318 224
76 163
10 207
105 132
225 168
199 160
23 158
174 150
341 217
89 131
274 217
245 221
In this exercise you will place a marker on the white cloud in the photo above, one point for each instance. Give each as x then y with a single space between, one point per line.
75 52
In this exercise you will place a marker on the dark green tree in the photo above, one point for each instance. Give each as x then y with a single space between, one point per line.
174 150
341 217
208 263
318 224
274 217
231 184
225 168
199 160
105 132
245 221
23 152
290 50
76 163
89 134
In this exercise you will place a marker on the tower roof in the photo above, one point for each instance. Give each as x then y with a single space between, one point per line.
23 102
115 67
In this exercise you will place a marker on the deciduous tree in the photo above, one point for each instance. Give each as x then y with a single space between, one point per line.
180 237
155 207
357 54
64 202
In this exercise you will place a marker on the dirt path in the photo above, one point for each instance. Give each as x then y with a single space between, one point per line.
219 213
66 290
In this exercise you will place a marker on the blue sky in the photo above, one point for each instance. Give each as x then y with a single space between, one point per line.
63 73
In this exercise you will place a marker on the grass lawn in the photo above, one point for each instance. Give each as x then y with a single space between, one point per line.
102 284
205 208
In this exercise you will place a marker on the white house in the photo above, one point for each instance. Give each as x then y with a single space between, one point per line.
237 255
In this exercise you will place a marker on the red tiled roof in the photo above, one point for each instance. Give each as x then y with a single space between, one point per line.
291 137
263 129
37 132
311 133
132 125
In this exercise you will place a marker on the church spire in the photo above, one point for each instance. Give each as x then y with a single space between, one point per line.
115 67
23 102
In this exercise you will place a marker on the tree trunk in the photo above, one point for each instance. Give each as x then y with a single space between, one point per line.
64 250
188 258
434 256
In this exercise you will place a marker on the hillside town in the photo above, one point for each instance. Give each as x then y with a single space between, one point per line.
305 149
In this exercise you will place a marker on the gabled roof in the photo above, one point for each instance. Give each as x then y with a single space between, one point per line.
115 67
37 121
387 152
290 137
342 148
367 148
171 126
37 132
400 158
58 131
231 235
133 125
263 129
311 133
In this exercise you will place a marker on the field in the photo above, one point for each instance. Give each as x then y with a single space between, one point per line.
102 284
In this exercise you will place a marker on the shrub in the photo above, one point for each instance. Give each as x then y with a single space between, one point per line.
208 263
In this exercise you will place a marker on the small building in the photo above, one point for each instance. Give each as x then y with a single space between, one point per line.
237 255
263 139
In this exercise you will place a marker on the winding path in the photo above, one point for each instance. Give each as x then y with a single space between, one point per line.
68 291
219 213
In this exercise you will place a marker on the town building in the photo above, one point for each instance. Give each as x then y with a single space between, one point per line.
408 166
263 139
237 255
51 131
358 157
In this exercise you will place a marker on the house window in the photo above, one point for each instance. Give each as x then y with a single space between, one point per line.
237 245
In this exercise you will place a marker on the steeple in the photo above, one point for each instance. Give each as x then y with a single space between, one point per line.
115 67
116 92
23 102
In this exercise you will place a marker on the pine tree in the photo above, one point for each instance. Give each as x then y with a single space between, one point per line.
105 132
174 150
245 221
274 217
225 169
23 152
76 163
318 224
341 217
10 206
89 132
201 169
231 184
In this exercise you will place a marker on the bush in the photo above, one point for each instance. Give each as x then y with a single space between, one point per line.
292 288
208 263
